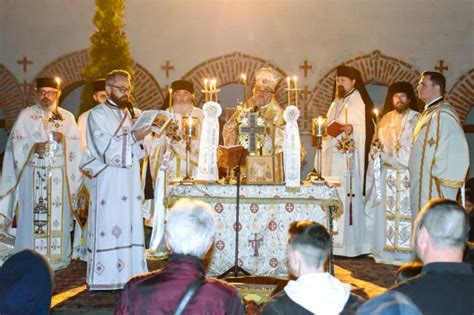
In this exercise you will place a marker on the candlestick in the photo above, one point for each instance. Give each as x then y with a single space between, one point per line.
205 90
346 109
243 80
376 112
170 91
213 88
288 84
320 130
295 79
190 126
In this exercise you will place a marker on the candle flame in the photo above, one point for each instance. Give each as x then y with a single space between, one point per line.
376 111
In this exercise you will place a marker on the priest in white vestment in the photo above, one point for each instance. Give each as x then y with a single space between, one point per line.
41 176
353 108
439 159
115 240
388 180
79 248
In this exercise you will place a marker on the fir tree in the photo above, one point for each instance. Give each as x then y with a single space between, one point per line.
109 47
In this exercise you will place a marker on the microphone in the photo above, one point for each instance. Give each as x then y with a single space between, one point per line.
129 104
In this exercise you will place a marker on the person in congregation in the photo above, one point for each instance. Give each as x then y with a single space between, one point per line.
445 284
41 176
439 159
26 284
79 248
388 199
352 107
115 228
314 291
189 236
262 102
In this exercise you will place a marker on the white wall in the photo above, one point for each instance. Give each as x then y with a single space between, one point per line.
187 32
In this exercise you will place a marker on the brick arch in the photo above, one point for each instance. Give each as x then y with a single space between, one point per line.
228 68
69 68
461 95
11 96
375 68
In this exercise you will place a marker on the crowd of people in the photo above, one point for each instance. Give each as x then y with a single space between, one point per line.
400 182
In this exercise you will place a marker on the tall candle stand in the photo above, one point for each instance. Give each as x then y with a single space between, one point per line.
318 132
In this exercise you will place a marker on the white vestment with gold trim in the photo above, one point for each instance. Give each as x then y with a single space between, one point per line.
440 156
42 189
388 182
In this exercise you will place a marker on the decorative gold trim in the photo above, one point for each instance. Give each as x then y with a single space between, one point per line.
420 186
433 161
448 183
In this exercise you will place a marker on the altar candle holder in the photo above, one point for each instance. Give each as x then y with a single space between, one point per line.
318 131
188 179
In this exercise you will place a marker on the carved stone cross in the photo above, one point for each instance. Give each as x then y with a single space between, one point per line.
252 130
306 66
25 62
167 67
441 68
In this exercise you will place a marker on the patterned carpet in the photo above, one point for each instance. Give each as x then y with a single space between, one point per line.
70 295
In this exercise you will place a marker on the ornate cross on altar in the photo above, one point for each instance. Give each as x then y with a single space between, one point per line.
255 243
441 68
252 129
306 66
167 67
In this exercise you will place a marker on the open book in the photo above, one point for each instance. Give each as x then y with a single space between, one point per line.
157 120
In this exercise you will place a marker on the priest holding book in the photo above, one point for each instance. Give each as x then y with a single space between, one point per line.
350 130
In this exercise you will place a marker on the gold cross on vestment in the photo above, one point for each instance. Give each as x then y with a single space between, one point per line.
306 66
441 68
167 67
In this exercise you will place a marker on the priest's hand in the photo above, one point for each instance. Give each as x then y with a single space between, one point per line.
139 134
57 136
40 147
348 129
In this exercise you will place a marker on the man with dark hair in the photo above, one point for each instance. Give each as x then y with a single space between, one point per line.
440 156
388 199
41 176
445 284
314 291
352 108
115 228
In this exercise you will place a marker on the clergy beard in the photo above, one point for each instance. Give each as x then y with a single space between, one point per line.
400 107
182 108
340 92
260 101
47 104
120 101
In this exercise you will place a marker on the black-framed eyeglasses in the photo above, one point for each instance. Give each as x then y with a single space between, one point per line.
122 89
47 93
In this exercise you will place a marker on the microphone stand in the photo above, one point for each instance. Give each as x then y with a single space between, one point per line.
235 269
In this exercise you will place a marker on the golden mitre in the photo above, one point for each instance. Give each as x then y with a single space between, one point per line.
267 77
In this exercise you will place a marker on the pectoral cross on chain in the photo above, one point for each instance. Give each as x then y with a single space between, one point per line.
255 243
252 130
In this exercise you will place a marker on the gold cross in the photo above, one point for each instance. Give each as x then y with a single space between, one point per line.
431 142
167 67
25 62
441 68
306 66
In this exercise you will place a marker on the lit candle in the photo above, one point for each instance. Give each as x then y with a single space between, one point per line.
170 91
58 82
376 112
243 78
205 90
288 84
320 126
190 124
295 79
346 108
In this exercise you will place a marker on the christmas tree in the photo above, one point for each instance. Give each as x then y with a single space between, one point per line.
109 47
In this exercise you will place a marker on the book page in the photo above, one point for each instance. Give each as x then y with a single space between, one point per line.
145 119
